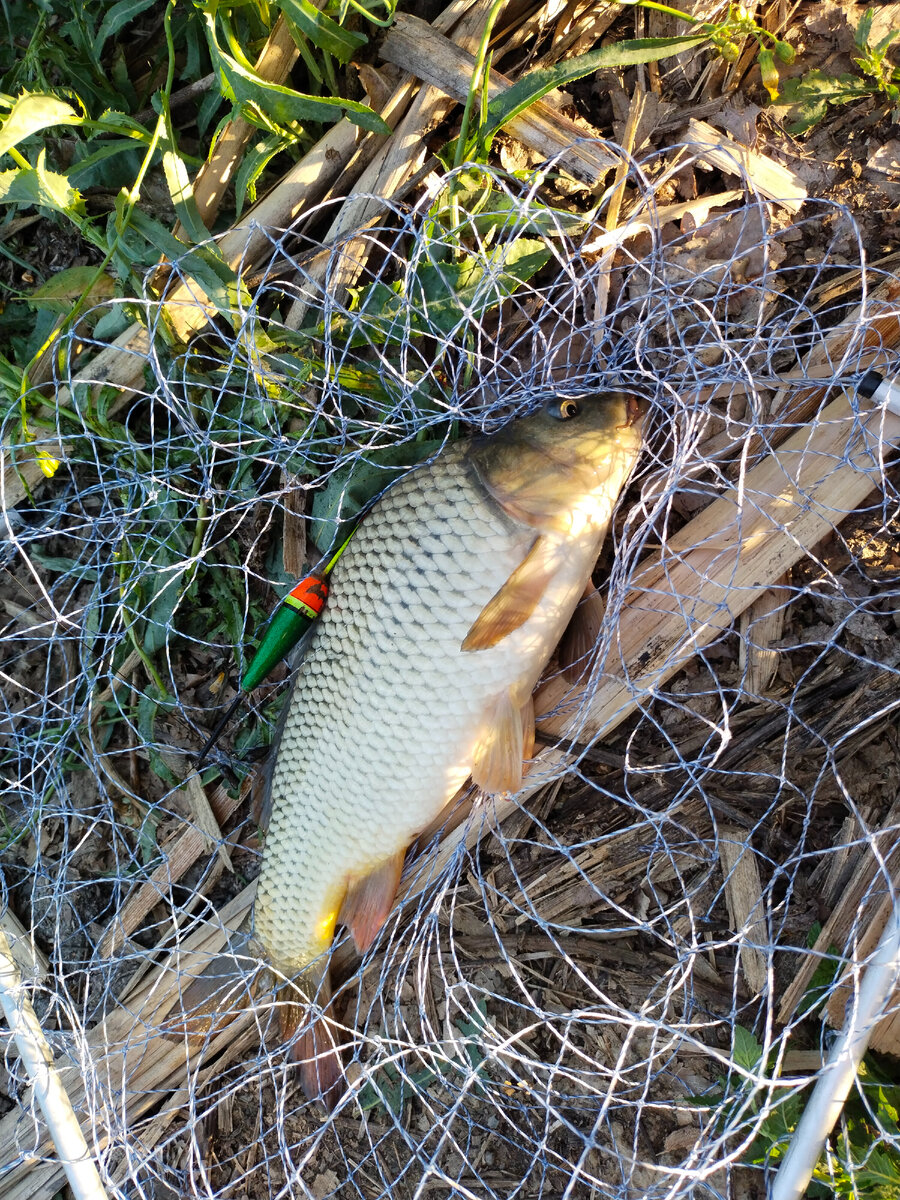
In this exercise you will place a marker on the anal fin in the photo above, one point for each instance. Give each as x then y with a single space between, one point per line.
506 739
513 603
578 646
369 900
526 715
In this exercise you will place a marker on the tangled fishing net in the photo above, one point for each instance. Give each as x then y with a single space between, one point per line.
611 985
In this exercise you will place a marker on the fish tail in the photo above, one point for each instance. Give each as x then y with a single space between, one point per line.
313 1050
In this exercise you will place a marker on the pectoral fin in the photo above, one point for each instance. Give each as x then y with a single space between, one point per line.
513 604
368 901
507 738
579 642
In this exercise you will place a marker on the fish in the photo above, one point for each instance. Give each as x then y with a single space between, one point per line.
444 611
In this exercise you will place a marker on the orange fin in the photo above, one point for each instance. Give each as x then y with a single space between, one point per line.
526 713
369 900
314 1052
579 643
513 604
497 766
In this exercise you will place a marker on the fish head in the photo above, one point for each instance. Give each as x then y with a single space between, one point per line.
561 468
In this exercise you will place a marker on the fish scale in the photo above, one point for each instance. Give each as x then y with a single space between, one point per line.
384 675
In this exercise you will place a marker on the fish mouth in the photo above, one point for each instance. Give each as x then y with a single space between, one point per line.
636 408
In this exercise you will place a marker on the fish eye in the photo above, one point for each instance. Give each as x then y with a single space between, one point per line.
564 410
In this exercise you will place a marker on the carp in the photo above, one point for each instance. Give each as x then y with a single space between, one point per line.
443 612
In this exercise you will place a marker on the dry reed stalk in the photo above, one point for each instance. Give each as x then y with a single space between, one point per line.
412 43
614 207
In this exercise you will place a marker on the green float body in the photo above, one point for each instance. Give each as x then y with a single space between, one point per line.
290 621
296 613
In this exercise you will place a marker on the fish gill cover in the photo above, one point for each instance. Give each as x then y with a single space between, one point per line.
612 984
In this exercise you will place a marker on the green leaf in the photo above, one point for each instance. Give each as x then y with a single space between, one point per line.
882 46
321 30
443 296
148 707
807 96
885 1110
819 987
31 113
747 1050
69 567
181 189
103 152
63 289
491 212
47 189
282 105
203 263
117 18
256 159
113 322
877 1170
113 121
863 29
714 1100
163 593
535 84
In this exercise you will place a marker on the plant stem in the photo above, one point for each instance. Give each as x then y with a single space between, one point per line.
475 85
664 8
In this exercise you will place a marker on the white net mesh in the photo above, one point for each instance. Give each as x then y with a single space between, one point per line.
575 975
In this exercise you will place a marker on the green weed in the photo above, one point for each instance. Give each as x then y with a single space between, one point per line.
808 96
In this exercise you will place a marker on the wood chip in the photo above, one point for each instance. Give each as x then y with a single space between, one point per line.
768 177
205 820
862 908
761 625
746 908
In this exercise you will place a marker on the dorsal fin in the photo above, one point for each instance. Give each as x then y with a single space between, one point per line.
512 605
